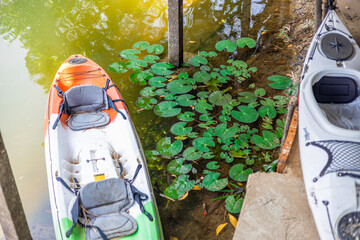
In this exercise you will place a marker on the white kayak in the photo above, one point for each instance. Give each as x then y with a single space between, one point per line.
329 130
98 180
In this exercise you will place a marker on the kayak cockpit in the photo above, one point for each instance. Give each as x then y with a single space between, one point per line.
337 97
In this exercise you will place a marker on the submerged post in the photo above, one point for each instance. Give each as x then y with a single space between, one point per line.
175 22
12 216
318 13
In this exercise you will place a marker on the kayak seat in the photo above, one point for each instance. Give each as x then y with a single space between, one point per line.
85 104
102 208
335 90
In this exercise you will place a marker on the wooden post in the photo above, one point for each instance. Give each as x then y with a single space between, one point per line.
12 216
318 13
175 22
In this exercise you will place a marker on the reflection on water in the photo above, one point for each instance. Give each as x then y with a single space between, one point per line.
36 36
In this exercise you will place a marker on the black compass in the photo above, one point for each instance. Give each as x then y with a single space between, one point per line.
336 46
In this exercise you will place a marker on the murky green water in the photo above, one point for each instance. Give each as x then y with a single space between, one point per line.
36 36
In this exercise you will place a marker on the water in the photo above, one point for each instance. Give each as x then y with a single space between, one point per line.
36 36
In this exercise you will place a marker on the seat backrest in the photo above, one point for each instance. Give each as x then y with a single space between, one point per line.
85 98
335 90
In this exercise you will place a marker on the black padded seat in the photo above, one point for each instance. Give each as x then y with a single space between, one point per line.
335 90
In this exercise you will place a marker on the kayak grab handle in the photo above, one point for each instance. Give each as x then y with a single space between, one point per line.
342 174
95 159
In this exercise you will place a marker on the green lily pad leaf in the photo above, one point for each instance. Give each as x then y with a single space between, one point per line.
225 72
167 109
148 92
170 96
208 155
161 92
193 135
151 58
203 143
151 155
118 67
140 77
155 48
135 64
219 99
157 82
280 82
246 114
245 41
238 154
260 92
226 44
186 100
212 165
197 61
179 87
268 141
202 94
205 117
224 118
203 54
186 116
202 107
179 187
205 68
142 45
223 132
146 103
240 64
212 182
267 110
180 129
168 149
212 54
176 166
247 97
183 75
162 68
202 76
232 205
238 173
129 54
191 154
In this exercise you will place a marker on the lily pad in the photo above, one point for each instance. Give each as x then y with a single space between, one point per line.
162 68
180 129
203 94
168 149
151 58
135 64
203 143
146 103
179 187
280 82
267 110
161 92
202 76
151 155
178 167
219 99
205 117
233 205
212 165
240 64
186 100
118 67
155 48
197 61
245 41
191 154
246 114
157 82
142 45
167 109
202 107
148 92
186 116
238 173
223 132
260 92
129 54
247 97
208 155
212 182
228 45
179 87
269 140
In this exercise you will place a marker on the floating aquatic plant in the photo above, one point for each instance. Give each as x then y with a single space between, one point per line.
220 133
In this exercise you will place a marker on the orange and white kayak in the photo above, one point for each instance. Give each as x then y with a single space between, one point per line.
98 181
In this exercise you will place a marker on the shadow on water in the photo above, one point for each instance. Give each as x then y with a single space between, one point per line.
41 34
